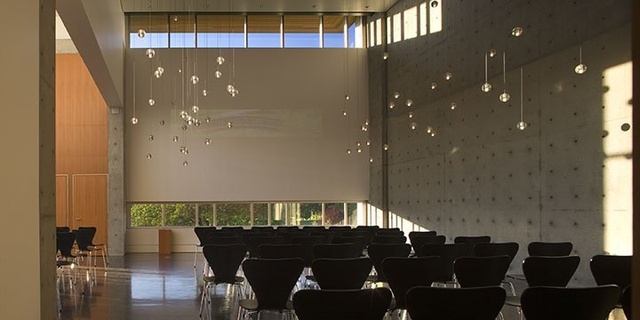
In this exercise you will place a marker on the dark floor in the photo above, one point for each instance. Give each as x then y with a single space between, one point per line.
150 286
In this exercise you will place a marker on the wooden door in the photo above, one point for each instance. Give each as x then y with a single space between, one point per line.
62 200
90 203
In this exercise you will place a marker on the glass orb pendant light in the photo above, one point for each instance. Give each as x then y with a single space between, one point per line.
581 68
521 125
504 96
486 86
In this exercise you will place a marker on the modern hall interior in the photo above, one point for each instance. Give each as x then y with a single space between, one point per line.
396 124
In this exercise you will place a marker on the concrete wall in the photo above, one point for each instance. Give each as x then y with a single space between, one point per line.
566 177
27 183
289 137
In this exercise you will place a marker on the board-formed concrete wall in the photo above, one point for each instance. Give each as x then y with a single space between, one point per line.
566 177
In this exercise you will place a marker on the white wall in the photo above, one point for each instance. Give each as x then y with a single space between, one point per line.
289 138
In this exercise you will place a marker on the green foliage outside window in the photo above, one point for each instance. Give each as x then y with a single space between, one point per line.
233 214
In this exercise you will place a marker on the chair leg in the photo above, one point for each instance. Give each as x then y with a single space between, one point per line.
202 299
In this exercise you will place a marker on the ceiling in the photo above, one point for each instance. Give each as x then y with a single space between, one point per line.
280 6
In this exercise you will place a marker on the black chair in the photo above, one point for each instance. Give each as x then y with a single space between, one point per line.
359 242
224 260
98 246
405 273
497 249
589 303
279 251
472 239
419 238
307 244
389 239
341 274
611 270
551 249
550 271
272 281
433 303
481 271
83 240
379 252
626 301
421 241
361 304
449 253
336 251
546 271
63 229
254 242
389 232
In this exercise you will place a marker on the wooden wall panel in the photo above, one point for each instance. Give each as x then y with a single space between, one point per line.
90 203
81 147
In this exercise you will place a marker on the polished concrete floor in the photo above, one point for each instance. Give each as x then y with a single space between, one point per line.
138 286
151 286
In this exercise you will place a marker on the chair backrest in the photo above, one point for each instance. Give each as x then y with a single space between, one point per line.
202 233
64 243
549 271
307 244
626 301
336 251
272 280
589 303
254 242
472 239
449 252
379 252
217 239
389 232
405 273
359 242
339 227
433 303
611 270
341 273
552 249
389 239
497 249
83 239
362 304
481 271
224 260
63 229
279 251
419 242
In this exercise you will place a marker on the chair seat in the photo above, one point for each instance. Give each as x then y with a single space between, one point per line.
212 279
513 301
62 263
252 304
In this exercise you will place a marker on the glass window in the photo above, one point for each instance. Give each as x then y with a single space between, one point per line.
423 19
411 23
397 27
354 32
156 31
233 214
182 31
333 31
372 35
379 32
435 16
205 214
260 214
310 214
334 213
220 31
302 31
352 214
180 214
146 215
264 31
389 30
